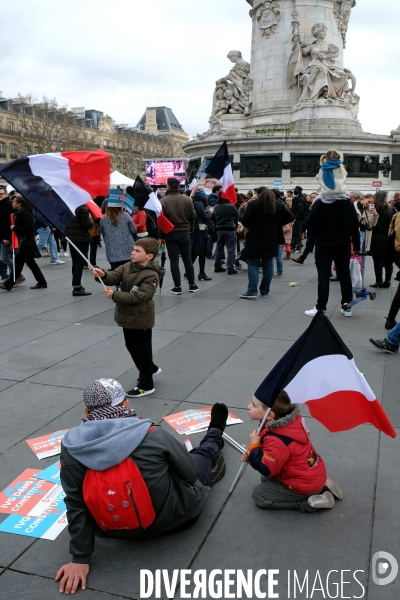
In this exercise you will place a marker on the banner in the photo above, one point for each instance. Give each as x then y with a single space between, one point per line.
120 199
45 527
52 473
31 497
47 445
195 420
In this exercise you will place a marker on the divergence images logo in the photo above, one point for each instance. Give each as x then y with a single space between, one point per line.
381 561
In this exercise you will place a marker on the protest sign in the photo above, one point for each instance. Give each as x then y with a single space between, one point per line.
46 526
52 473
120 199
47 445
195 420
28 496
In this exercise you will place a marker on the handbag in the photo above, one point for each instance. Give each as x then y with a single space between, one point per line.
355 273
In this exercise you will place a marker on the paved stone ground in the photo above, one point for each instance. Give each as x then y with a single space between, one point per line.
212 346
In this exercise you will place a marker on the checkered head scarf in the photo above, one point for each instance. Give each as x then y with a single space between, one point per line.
102 399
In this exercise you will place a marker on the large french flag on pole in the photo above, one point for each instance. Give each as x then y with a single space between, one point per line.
319 370
145 197
220 167
57 183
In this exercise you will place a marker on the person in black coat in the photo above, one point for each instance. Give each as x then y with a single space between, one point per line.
380 235
27 251
300 210
78 233
264 218
199 237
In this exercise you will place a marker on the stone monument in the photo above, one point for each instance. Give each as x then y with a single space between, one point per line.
294 100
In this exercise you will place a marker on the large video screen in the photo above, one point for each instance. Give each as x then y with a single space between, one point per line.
158 171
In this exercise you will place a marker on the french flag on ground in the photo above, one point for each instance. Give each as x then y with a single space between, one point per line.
319 370
57 183
220 167
146 198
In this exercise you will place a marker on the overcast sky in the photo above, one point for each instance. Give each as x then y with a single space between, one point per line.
119 56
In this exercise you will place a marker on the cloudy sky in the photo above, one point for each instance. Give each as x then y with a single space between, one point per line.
120 56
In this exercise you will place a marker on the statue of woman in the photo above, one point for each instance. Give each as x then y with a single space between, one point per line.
238 78
322 77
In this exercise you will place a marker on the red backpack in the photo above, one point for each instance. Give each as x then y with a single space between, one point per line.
118 497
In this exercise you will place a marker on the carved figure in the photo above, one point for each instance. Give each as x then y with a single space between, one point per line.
238 83
268 16
321 77
342 12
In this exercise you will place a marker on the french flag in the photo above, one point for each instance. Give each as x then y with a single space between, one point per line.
220 167
145 197
319 370
57 183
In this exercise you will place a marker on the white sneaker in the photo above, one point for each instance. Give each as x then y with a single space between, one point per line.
325 500
346 310
312 312
64 253
58 262
157 373
334 488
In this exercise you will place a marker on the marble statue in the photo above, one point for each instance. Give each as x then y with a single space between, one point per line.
232 93
312 66
342 12
268 15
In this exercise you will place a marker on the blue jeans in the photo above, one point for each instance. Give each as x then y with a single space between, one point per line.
252 271
394 336
363 236
207 454
228 239
47 238
279 260
6 257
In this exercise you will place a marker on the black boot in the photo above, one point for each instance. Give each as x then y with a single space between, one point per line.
390 323
219 416
80 291
203 276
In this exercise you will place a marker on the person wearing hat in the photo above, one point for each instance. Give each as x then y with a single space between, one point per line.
177 481
299 210
199 235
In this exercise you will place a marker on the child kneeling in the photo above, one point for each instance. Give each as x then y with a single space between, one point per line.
293 474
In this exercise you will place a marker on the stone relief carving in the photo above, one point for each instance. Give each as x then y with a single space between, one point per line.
232 93
106 124
342 12
312 68
268 15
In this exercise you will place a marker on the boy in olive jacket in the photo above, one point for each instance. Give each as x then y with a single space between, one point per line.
134 310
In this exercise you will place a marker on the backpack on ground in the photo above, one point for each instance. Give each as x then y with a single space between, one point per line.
118 497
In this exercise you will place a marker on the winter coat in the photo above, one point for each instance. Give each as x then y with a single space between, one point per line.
367 221
6 210
380 232
265 230
198 238
118 239
168 470
134 303
25 230
395 228
40 220
226 216
287 455
300 207
335 225
288 233
178 209
140 219
212 199
78 229
340 176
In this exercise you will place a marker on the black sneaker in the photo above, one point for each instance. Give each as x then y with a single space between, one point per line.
384 346
233 272
390 323
218 470
80 292
176 290
219 270
137 392
194 288
219 416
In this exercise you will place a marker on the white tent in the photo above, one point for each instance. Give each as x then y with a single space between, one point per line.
118 179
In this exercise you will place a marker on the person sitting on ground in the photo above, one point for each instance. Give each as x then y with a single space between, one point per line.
293 474
134 308
174 487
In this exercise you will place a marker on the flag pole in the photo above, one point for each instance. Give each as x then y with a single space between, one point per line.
13 263
85 259
244 465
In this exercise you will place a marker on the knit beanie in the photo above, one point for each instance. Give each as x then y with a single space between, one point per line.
102 393
199 195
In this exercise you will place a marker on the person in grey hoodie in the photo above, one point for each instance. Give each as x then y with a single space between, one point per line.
118 230
178 481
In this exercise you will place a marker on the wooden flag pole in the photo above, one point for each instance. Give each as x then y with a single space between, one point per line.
85 259
244 465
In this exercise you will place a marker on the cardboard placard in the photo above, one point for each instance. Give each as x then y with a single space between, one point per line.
47 445
194 420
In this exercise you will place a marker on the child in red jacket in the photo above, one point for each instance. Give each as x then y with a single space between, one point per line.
293 474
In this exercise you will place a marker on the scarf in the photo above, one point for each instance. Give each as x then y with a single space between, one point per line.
331 199
110 412
327 172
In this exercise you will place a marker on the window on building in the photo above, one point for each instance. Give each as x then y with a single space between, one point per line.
106 144
13 151
2 149
11 126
